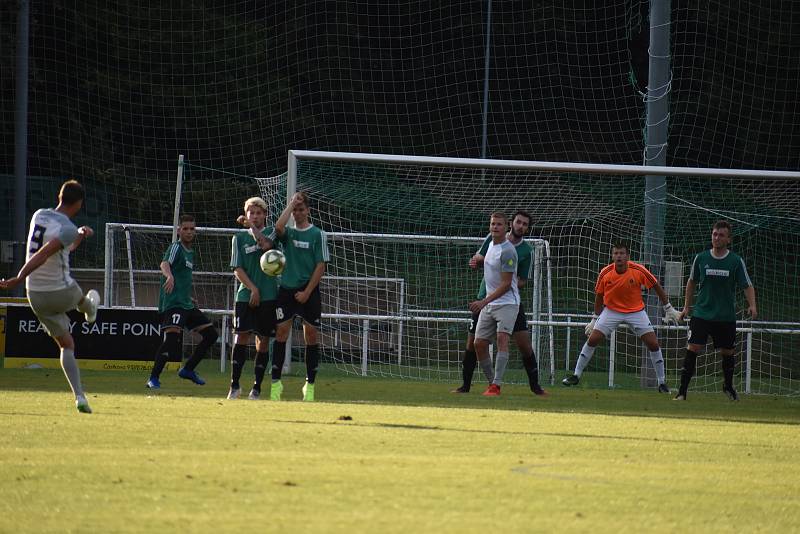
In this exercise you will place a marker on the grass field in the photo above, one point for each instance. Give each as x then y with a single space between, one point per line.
388 456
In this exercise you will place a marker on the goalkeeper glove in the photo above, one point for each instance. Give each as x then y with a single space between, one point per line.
671 315
590 326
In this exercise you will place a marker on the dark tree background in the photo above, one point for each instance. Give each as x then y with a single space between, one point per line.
119 89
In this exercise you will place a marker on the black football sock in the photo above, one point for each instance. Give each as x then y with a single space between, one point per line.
261 367
728 366
278 357
531 369
169 349
209 337
312 363
687 371
238 357
470 362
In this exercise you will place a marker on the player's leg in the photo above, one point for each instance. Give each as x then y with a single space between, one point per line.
88 305
51 307
698 335
657 358
260 368
506 316
606 323
522 339
311 312
311 334
470 359
484 332
284 317
640 323
243 327
265 330
173 322
724 336
198 322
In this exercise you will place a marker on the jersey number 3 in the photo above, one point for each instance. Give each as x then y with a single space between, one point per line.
37 238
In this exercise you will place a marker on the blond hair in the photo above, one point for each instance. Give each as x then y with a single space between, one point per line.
255 201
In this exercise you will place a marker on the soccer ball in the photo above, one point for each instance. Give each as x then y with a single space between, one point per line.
273 262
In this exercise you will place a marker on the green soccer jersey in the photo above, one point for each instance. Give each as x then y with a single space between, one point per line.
304 249
524 254
717 280
181 263
246 254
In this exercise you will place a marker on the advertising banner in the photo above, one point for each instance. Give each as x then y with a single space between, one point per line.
121 339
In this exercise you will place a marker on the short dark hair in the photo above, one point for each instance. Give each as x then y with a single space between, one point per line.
71 192
185 218
521 213
621 244
304 197
722 223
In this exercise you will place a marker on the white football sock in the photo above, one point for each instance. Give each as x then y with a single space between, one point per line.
583 360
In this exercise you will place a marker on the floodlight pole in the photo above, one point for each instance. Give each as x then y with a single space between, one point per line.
21 140
659 86
486 69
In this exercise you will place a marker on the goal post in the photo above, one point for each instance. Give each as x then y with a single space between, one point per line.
579 209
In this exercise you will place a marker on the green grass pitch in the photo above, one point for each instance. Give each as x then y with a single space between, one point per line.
387 456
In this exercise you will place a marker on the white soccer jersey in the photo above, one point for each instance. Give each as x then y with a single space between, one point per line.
500 259
53 274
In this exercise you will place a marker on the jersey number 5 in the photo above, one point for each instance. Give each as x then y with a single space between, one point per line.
37 238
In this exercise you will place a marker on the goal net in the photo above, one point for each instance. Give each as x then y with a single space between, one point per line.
401 231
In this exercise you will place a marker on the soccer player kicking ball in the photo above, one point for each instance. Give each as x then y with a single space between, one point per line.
52 291
618 299
177 309
715 274
306 249
499 308
520 223
256 297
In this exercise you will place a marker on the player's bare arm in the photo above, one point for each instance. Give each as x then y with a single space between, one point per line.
750 295
476 261
506 279
169 280
283 219
688 299
84 232
255 295
53 246
313 282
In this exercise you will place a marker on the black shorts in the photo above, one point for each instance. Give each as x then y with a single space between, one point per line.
183 318
520 325
722 332
288 307
260 319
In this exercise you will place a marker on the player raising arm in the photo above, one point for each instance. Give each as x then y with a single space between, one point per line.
177 309
499 308
520 224
618 299
715 274
51 290
254 311
306 249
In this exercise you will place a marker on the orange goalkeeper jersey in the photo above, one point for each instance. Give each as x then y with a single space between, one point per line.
623 292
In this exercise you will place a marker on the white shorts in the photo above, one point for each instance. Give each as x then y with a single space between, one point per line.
498 318
51 307
609 320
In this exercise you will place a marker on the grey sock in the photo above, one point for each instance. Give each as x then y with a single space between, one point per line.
71 371
500 367
486 367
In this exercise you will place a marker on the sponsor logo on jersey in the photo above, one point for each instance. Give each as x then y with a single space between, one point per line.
718 272
252 248
300 244
189 265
